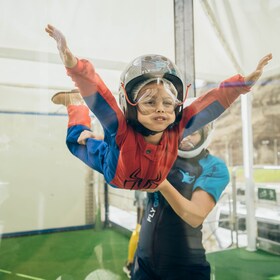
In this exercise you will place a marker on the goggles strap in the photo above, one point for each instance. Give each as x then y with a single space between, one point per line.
135 104
187 90
126 97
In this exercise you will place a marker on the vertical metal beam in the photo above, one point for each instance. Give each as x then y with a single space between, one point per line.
246 106
247 136
106 205
89 203
184 41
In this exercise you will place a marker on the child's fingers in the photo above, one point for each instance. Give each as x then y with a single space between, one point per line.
84 136
264 61
267 58
53 32
50 26
48 30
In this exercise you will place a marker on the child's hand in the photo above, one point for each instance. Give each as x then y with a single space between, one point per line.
251 79
87 134
67 57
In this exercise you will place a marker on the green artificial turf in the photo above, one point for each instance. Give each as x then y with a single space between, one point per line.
73 255
63 256
240 264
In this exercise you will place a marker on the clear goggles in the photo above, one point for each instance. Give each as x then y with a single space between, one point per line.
156 99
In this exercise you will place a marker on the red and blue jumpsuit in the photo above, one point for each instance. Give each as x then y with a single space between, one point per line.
124 157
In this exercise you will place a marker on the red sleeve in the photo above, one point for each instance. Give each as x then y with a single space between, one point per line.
213 103
78 115
86 79
230 89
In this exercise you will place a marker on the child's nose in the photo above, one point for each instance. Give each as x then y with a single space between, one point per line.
160 107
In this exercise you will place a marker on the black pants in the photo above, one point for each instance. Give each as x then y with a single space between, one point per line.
143 270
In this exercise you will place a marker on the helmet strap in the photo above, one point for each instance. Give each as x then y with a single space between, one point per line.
137 126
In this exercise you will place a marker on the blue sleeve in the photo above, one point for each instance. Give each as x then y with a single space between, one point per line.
98 97
203 117
214 177
212 104
92 154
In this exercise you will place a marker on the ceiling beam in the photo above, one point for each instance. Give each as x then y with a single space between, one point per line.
47 57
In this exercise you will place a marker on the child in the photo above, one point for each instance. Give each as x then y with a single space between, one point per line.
141 140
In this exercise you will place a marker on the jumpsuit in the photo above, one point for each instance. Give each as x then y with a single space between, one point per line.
124 158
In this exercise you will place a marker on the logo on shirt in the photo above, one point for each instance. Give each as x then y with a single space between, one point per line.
187 178
153 209
136 183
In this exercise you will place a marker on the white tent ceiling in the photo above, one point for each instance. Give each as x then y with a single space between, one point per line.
111 33
246 29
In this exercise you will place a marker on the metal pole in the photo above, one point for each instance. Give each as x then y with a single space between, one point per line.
97 217
275 148
106 204
251 224
234 217
89 198
184 41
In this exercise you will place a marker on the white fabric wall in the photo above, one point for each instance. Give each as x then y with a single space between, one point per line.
42 186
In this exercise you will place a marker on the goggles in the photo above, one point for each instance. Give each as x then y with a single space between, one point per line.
151 100
154 99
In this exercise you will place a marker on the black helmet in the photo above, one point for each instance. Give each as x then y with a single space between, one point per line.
144 68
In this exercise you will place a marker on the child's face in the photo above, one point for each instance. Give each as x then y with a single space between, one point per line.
190 142
156 107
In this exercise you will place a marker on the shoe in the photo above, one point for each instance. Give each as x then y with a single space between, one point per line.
66 98
127 269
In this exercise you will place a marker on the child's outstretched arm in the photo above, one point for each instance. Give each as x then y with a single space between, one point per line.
212 104
252 78
90 85
68 59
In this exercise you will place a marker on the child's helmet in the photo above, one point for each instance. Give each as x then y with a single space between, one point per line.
206 133
142 69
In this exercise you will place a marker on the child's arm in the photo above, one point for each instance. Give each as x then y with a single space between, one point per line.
212 104
94 91
252 78
81 71
68 59
87 148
